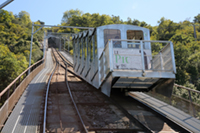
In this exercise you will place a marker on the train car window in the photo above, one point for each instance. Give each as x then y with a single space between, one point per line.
134 35
112 34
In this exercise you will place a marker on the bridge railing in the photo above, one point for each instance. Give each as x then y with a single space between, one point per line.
192 97
11 94
137 55
183 98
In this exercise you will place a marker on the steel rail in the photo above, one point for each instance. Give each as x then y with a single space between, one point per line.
123 110
69 65
180 127
46 98
71 71
71 96
64 59
145 127
78 112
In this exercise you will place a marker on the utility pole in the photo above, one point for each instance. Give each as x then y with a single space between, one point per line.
41 26
44 45
32 33
195 35
31 47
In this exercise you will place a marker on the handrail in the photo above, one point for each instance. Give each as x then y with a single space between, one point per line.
140 40
153 41
190 97
107 45
12 83
11 94
187 88
194 106
168 47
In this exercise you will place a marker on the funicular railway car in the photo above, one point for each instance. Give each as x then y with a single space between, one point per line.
122 57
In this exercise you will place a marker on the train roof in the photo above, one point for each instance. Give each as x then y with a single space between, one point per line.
122 26
111 26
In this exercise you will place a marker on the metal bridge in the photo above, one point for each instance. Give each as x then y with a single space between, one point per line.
22 99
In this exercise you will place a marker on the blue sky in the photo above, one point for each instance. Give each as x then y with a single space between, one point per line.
150 11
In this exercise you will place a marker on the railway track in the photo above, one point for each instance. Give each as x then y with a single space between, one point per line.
75 106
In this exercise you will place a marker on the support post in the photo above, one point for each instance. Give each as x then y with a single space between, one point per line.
81 53
68 45
161 61
111 54
19 80
60 45
142 56
87 53
93 53
64 44
191 104
31 47
173 58
8 93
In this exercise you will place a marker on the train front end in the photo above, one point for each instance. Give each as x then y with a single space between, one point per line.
119 56
130 61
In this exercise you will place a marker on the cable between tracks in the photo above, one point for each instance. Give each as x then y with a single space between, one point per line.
145 127
74 102
70 93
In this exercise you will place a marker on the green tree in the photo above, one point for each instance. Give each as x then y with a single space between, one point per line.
25 18
10 66
116 20
15 36
197 19
69 14
5 16
166 29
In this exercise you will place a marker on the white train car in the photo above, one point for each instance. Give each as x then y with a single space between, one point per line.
122 56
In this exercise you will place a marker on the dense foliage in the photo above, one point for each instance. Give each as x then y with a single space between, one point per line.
15 36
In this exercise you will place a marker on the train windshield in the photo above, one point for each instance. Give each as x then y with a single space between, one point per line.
112 34
134 35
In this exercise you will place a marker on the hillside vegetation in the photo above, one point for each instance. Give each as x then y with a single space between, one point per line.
15 36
